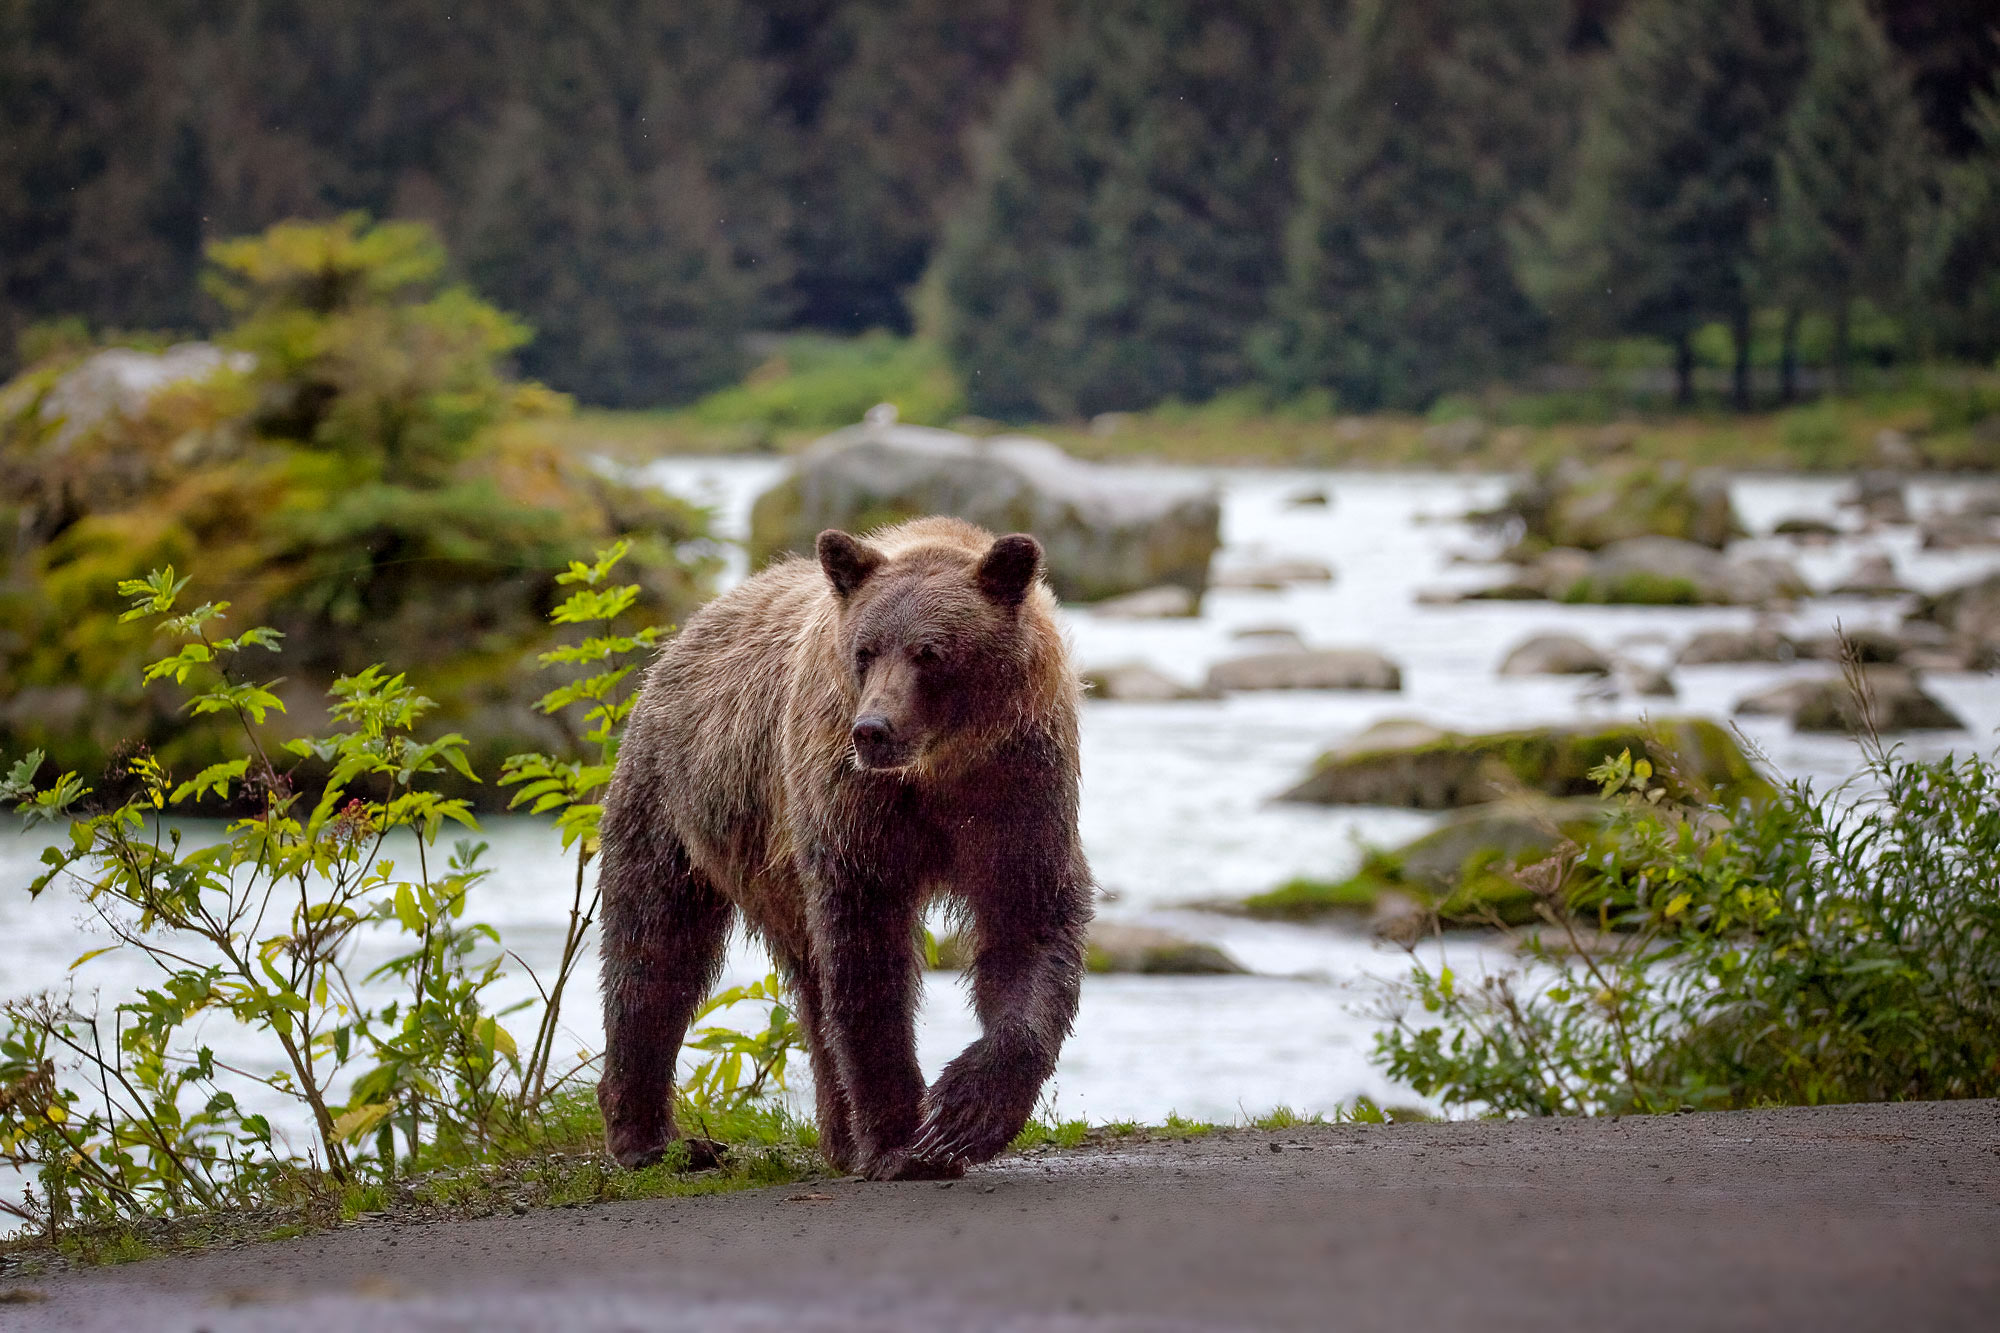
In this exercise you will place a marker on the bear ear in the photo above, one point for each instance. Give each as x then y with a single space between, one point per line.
846 561
1009 568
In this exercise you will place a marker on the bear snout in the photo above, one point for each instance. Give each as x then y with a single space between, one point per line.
875 742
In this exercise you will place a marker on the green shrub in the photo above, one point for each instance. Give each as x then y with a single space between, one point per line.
125 1115
1818 947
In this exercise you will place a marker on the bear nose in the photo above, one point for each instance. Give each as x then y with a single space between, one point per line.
871 731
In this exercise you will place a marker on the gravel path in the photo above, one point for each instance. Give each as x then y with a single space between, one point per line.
1854 1217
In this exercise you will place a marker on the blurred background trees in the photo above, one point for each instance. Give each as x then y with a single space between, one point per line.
1093 206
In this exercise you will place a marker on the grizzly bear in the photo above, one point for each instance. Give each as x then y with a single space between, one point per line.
827 749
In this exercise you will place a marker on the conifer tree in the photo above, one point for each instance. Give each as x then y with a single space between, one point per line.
1435 121
1676 175
1959 263
1125 230
1851 169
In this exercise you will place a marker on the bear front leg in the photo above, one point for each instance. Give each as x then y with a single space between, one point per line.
869 978
664 933
1027 975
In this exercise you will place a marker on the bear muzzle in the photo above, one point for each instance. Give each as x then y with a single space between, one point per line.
876 744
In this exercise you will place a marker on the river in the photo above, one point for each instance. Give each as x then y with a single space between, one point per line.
1176 796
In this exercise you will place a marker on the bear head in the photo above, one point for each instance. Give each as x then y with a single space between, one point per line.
932 635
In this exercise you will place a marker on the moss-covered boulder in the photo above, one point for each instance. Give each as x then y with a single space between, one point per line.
1124 947
1590 508
1897 702
1468 870
1104 534
1698 761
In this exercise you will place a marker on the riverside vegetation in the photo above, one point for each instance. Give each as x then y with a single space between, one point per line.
125 1115
1806 948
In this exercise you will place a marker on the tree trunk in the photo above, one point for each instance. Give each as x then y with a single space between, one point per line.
1739 379
1788 358
1683 371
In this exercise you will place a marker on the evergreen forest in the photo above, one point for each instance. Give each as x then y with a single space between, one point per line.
1087 207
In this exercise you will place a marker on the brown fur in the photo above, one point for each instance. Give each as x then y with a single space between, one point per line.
825 750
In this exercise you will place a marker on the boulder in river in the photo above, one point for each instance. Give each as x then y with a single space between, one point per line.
1668 571
1269 638
1591 508
1271 575
1313 669
1119 946
1167 602
1138 682
1468 870
1760 643
1400 764
1555 655
1873 575
1970 615
1880 498
1897 702
1104 533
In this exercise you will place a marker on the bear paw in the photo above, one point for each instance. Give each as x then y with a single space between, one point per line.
637 1155
902 1165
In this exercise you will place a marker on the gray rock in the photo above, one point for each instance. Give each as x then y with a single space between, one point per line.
1105 532
1309 499
1269 638
1555 655
1873 575
1666 569
1647 682
119 382
1959 531
1879 496
1969 615
1166 602
1117 946
1137 682
1870 645
1897 702
1814 530
1315 669
1271 575
1758 644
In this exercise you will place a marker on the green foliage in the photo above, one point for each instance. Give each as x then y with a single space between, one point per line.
128 1114
1436 122
358 351
1821 947
373 476
1676 172
1124 230
1853 119
819 383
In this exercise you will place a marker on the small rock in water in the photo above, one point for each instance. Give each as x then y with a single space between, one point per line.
1757 644
1873 575
1117 946
1312 499
1272 575
1138 682
1555 655
1169 601
1897 702
1269 638
1316 669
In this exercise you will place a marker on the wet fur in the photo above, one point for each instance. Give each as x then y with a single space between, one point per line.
740 790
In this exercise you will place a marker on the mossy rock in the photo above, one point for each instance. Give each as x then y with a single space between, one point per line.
1699 762
1468 870
1590 508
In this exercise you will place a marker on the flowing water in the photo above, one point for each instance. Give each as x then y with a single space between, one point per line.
1176 796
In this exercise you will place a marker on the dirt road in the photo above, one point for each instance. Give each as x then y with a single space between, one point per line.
1839 1218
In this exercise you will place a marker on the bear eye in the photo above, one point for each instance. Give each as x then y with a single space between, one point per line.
926 654
862 657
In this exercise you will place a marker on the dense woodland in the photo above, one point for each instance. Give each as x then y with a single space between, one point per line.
1091 206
